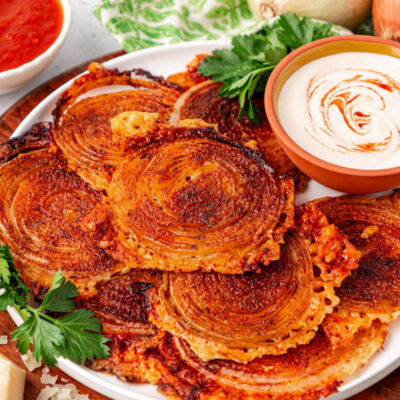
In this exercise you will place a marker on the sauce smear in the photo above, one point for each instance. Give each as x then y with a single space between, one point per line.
345 109
27 29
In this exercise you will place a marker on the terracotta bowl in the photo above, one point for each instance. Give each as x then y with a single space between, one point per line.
344 179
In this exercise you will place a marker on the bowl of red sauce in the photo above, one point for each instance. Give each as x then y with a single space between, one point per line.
31 34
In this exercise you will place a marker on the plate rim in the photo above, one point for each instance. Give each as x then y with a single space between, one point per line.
92 379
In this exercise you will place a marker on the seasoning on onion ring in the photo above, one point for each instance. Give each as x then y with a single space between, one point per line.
83 131
41 204
241 317
373 290
188 200
307 372
201 101
121 306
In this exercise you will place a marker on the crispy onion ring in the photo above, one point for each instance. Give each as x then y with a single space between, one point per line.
191 76
241 317
305 373
201 101
41 204
39 136
121 306
83 131
373 290
188 201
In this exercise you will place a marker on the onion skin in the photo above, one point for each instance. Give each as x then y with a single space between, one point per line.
386 19
340 12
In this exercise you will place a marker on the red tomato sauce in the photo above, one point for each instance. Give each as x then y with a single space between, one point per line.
27 29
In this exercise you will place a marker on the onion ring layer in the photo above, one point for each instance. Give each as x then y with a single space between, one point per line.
83 131
201 101
373 290
121 306
188 201
41 205
305 373
241 317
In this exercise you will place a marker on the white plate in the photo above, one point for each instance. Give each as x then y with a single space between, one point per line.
167 60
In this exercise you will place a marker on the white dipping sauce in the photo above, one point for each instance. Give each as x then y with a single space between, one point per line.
345 109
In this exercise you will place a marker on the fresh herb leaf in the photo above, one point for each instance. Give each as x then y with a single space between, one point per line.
79 341
5 273
58 298
74 336
5 261
13 291
44 335
244 69
6 298
294 31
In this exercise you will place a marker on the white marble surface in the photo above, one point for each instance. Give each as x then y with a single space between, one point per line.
86 40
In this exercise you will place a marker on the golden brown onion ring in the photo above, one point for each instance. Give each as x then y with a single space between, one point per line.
41 205
305 373
121 306
188 201
201 101
191 76
39 136
241 317
373 290
83 131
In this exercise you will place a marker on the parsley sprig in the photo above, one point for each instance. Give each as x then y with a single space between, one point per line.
244 69
74 335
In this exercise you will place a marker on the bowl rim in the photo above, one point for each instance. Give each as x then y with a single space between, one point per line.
280 132
66 9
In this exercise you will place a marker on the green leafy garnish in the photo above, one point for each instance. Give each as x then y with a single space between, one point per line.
244 69
74 335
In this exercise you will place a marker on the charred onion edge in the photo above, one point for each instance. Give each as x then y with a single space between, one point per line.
98 71
37 137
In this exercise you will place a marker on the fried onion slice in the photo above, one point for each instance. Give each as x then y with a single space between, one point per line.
373 290
191 76
121 306
190 200
83 130
42 203
201 101
307 372
241 317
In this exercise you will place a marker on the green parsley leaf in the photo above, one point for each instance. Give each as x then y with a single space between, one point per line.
44 335
5 272
5 261
293 31
13 290
58 298
244 69
6 299
79 341
248 46
75 335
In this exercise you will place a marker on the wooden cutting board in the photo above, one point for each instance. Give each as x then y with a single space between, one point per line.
387 389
